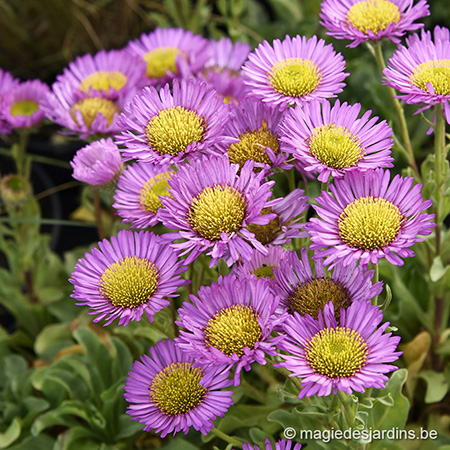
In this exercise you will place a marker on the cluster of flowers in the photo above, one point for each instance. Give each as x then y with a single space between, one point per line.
189 132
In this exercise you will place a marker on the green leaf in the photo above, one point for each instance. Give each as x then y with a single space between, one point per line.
41 442
11 433
437 385
50 335
437 270
49 419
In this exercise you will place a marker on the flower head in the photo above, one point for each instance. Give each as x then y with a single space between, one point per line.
223 68
305 292
285 226
21 107
366 20
330 141
15 190
97 164
109 74
365 217
169 392
128 275
230 322
212 207
139 191
164 127
262 266
170 53
294 71
346 355
421 71
280 445
253 134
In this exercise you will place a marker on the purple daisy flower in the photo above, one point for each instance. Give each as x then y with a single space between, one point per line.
367 20
294 71
331 141
212 207
421 71
138 193
21 106
165 128
7 83
262 266
169 392
97 164
305 292
230 322
253 134
280 445
285 226
128 275
170 53
85 116
367 217
223 68
360 363
109 74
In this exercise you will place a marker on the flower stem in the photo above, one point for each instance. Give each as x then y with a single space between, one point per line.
378 54
225 437
291 179
286 373
98 214
439 161
347 409
375 279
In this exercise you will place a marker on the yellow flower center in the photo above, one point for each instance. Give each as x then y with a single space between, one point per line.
266 233
218 209
173 129
264 271
24 108
369 223
231 329
103 81
90 107
373 15
336 352
130 282
252 145
161 61
435 72
335 146
177 389
156 187
295 77
312 296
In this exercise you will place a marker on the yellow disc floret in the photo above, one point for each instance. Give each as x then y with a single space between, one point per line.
231 329
335 146
177 389
252 146
295 77
370 223
218 209
161 61
436 72
24 108
312 296
373 15
103 81
130 282
156 187
173 129
336 352
90 107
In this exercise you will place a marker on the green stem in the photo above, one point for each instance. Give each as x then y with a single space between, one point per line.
375 279
253 392
378 54
439 160
69 223
347 409
98 214
291 179
20 154
225 437
286 373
